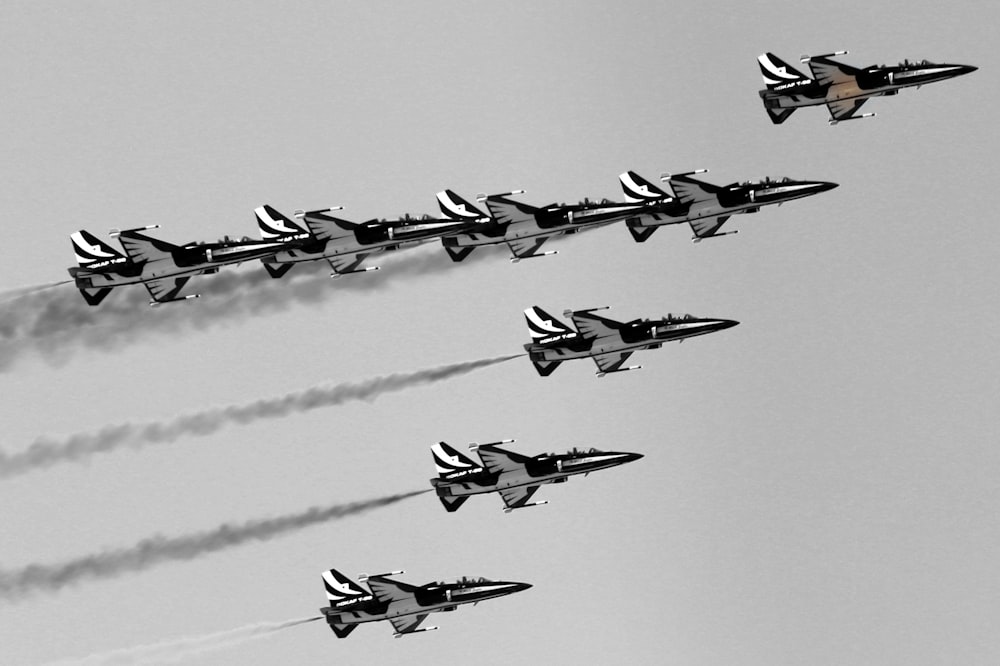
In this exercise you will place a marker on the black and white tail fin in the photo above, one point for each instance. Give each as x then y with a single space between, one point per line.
273 225
777 73
341 588
508 211
92 252
448 461
456 208
544 327
324 226
639 190
141 248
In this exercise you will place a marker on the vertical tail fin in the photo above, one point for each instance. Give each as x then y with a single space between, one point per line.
639 190
456 208
273 225
777 73
448 460
341 588
543 326
91 252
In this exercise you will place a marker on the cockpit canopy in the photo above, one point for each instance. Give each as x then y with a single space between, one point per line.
465 580
768 181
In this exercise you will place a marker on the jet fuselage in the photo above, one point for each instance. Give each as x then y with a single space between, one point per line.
537 470
631 336
428 598
872 81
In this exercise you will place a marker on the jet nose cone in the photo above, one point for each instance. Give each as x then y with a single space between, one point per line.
511 588
965 69
723 324
823 186
630 457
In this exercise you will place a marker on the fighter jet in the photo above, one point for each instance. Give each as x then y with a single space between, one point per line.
525 228
344 244
404 605
514 476
159 266
842 88
705 206
608 342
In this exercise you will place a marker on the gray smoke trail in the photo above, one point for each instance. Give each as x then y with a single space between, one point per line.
157 549
44 452
58 324
20 292
180 648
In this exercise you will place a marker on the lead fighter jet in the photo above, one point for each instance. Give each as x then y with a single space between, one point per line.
706 207
842 88
516 477
344 244
161 267
608 342
402 604
525 228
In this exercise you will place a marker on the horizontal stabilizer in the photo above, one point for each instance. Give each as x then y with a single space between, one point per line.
452 504
639 233
639 190
546 368
95 296
141 248
457 252
342 630
778 115
277 270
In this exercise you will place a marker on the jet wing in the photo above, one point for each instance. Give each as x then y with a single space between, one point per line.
165 289
831 72
689 190
141 248
707 226
611 362
407 623
497 460
387 590
592 326
505 211
515 498
346 263
842 109
525 248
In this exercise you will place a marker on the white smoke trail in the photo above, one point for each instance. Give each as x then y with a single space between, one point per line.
58 324
44 452
168 651
18 583
20 292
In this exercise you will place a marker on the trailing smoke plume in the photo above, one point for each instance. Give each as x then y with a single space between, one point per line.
58 323
20 292
44 452
157 549
168 651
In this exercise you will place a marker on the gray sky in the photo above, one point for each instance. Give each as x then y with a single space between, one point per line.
819 483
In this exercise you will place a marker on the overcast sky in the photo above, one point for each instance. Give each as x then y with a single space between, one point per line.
819 483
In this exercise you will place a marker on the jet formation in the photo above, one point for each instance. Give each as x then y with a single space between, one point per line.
608 342
317 235
513 476
842 88
405 606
